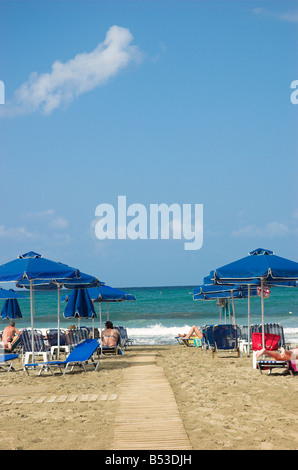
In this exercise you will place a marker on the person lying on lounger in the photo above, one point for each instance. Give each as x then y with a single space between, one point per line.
284 355
109 336
8 334
194 331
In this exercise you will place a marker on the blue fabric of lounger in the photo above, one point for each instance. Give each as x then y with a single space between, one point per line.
6 361
79 355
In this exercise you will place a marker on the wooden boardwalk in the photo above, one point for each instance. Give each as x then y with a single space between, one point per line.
147 417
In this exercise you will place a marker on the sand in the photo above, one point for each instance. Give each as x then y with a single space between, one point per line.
223 403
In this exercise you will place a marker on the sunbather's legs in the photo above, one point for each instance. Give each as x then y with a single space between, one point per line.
284 355
194 330
6 345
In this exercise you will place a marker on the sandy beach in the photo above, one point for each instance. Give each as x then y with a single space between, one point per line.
223 403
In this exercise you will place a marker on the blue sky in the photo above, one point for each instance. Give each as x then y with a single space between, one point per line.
163 102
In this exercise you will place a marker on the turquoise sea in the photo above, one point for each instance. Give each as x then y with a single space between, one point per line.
160 313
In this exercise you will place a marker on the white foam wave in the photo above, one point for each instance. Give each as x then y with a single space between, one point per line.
156 334
160 334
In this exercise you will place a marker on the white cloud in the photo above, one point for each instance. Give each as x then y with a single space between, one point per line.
48 215
40 215
59 223
15 233
288 17
46 92
272 229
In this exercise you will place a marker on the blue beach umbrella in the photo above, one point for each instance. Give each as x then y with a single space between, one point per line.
108 294
10 294
260 265
11 310
83 282
216 291
33 266
79 305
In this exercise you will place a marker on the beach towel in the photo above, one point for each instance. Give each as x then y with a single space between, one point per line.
271 341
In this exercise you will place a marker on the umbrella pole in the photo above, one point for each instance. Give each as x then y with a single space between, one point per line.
248 321
58 341
108 312
262 310
92 319
229 311
32 319
233 309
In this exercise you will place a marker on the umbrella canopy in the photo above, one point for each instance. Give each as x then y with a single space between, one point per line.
109 294
261 265
216 291
79 305
11 310
226 292
84 281
10 294
33 266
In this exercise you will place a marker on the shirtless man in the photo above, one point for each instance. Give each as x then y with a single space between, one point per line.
109 336
8 334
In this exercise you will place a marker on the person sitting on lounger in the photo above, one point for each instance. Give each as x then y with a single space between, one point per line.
194 331
8 334
109 336
284 355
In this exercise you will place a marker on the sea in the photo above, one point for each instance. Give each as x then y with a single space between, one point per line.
160 313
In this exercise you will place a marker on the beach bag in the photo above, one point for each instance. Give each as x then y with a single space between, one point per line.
271 341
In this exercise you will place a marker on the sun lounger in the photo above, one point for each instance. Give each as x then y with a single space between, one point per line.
52 337
6 361
40 348
290 366
208 337
124 339
79 356
225 338
189 342
74 337
198 342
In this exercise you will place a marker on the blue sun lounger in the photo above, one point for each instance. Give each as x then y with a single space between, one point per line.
226 338
6 361
79 356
